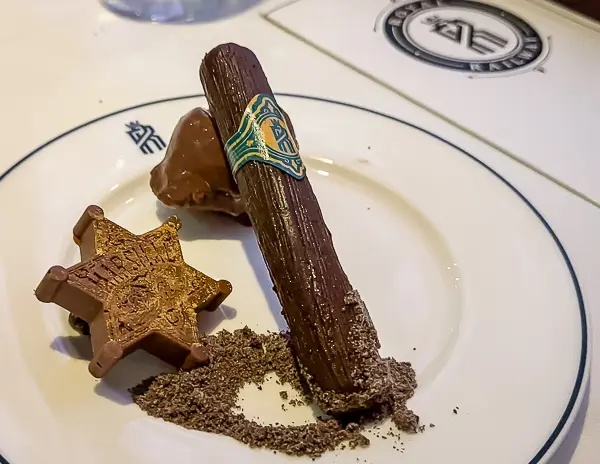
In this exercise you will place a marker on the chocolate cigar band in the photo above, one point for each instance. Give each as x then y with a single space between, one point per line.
264 136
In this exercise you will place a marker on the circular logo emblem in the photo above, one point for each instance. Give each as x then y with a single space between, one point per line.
464 36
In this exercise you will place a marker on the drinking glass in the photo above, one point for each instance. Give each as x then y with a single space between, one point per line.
178 11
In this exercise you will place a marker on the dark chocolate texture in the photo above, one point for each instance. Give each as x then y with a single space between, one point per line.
331 331
133 292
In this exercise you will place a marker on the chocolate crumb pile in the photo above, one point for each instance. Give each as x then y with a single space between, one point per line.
384 385
205 398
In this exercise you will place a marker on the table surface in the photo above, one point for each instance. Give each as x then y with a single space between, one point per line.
69 62
590 8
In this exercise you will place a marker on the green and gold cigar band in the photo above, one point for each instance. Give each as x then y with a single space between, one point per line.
264 136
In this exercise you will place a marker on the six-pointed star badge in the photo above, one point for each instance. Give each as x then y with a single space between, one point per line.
134 292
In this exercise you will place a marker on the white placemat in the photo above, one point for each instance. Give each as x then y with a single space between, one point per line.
519 76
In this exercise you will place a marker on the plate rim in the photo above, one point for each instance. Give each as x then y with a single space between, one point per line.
560 431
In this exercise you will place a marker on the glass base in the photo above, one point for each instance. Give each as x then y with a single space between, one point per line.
178 11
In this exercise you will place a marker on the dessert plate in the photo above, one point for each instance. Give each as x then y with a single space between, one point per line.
462 276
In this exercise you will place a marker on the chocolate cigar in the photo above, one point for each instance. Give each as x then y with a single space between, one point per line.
332 334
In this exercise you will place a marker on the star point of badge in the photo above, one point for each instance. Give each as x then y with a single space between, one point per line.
134 291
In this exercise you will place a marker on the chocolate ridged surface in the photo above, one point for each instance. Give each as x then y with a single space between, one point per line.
331 331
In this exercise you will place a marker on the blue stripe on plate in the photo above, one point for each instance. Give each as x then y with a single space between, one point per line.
577 387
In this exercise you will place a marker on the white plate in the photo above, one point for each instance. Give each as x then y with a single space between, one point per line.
461 274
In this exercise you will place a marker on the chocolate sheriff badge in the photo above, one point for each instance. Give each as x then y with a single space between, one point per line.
133 292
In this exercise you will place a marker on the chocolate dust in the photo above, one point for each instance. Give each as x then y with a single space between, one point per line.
205 398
